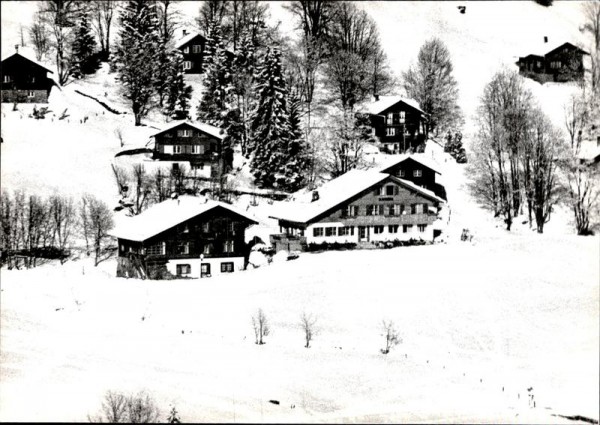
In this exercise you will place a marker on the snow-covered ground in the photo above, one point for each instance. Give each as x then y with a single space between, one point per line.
510 312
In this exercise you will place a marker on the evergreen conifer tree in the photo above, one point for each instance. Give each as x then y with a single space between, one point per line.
178 94
136 55
83 48
278 156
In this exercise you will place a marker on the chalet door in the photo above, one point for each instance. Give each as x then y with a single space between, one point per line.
363 233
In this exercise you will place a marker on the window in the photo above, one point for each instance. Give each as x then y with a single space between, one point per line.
393 228
169 135
208 249
122 247
330 231
402 173
183 248
377 229
197 167
187 65
231 227
184 133
198 149
352 210
402 117
197 48
370 209
406 228
228 246
186 49
206 227
346 231
183 269
418 209
390 131
390 190
158 249
177 149
422 227
389 118
317 231
185 229
204 269
30 93
227 267
417 173
6 79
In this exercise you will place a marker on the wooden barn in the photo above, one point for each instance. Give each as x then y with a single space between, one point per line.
398 123
186 237
361 207
196 144
418 169
192 46
24 80
561 64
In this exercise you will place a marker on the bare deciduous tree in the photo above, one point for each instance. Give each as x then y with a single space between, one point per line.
308 323
431 83
96 219
120 408
261 327
102 12
392 338
39 37
141 183
63 217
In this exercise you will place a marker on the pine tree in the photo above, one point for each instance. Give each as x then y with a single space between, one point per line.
217 78
83 48
136 55
277 155
178 94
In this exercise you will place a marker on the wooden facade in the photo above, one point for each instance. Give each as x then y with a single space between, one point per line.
562 64
398 126
418 173
207 244
24 81
200 145
192 46
392 209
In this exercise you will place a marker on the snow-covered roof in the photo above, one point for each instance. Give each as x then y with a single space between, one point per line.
338 190
420 158
185 40
589 151
385 102
331 194
167 214
541 49
29 59
205 128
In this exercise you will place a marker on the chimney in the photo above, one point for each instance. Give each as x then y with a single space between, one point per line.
17 48
545 39
376 97
184 32
315 196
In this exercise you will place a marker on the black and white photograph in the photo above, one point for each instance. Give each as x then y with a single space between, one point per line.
303 211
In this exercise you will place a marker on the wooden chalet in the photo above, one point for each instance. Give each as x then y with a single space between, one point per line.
192 46
362 207
398 124
24 80
186 237
196 144
561 64
418 169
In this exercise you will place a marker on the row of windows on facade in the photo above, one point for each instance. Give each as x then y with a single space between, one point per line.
389 210
186 269
392 189
196 48
206 227
7 79
349 230
395 118
182 248
183 149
